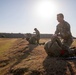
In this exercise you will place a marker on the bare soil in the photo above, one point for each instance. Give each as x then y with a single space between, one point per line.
28 59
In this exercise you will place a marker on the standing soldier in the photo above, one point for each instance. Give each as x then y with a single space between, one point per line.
37 35
63 30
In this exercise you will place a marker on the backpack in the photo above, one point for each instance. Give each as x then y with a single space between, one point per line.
52 50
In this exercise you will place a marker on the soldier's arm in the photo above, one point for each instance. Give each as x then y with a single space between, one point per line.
67 31
57 30
67 27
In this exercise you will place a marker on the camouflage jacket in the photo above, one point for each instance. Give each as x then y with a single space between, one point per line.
64 30
37 33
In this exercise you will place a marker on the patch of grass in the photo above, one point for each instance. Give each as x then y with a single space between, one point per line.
5 44
74 42
44 40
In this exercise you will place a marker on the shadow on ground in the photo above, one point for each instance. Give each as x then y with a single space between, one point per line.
54 66
25 53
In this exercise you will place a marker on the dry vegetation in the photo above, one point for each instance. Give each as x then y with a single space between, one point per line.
5 44
20 58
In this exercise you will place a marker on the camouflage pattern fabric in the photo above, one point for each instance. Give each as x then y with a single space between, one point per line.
53 50
31 39
37 36
53 47
64 30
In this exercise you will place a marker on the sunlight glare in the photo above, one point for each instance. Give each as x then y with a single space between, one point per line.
46 9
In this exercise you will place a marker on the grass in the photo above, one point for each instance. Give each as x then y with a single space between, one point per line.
38 56
5 44
44 40
74 43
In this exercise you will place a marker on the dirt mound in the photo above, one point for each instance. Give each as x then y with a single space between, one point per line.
25 59
54 66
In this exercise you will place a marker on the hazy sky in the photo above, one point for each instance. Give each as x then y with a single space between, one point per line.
22 16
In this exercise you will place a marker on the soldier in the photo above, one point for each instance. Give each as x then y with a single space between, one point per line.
37 35
54 47
57 48
30 38
28 35
63 30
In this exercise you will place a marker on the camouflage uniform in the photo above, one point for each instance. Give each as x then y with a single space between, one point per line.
37 36
54 47
63 29
28 35
30 38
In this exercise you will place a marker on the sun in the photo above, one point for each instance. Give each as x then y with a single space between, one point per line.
46 9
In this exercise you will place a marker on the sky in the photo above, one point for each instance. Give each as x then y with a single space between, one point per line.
22 16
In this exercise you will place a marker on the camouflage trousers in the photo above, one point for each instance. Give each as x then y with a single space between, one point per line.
68 41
